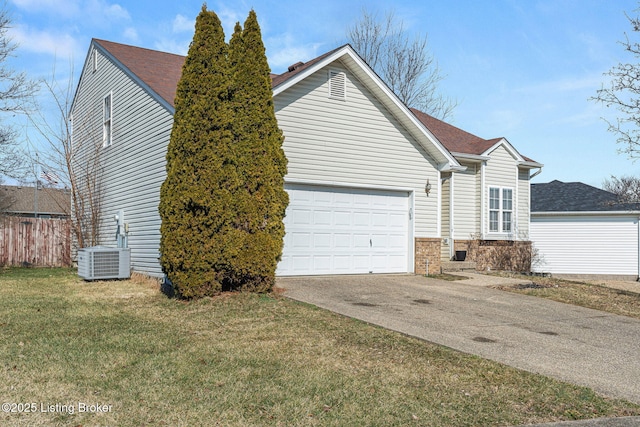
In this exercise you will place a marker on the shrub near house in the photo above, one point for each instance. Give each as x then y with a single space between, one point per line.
223 200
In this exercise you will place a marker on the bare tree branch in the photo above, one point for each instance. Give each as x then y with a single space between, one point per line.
16 91
74 155
623 93
405 64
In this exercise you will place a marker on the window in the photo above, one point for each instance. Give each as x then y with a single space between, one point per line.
337 85
500 210
106 122
94 60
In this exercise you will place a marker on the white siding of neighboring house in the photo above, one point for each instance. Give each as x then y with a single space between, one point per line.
467 202
500 171
354 142
586 244
134 165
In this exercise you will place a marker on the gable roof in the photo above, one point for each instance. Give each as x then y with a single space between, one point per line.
460 142
18 200
159 73
558 196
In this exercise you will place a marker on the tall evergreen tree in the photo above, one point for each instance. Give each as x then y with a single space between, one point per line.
201 169
261 201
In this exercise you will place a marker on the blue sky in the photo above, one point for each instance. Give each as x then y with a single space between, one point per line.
519 69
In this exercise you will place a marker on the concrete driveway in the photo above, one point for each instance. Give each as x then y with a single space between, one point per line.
574 344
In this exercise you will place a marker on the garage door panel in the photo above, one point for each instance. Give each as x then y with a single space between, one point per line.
342 230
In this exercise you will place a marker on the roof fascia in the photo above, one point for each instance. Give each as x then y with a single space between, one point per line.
585 213
530 165
507 145
472 157
348 52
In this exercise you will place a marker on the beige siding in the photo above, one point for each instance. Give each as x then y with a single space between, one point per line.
354 141
445 251
501 171
524 204
134 165
467 202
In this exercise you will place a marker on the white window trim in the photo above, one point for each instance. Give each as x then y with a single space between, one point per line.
94 60
501 210
107 131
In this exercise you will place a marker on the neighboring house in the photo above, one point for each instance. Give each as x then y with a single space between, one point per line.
43 202
34 226
374 186
579 230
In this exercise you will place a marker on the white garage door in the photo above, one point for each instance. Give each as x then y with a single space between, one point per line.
586 244
331 230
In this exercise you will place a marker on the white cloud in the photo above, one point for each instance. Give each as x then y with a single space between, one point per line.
181 24
284 50
131 34
173 46
61 45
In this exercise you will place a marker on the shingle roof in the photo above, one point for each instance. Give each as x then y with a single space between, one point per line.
21 200
454 139
161 72
558 196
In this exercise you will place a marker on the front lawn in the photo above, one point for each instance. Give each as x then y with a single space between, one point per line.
596 296
128 356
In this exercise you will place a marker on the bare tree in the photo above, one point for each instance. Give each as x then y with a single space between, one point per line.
15 92
623 93
405 64
72 153
627 188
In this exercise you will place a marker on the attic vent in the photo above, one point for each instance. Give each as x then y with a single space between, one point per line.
295 66
337 85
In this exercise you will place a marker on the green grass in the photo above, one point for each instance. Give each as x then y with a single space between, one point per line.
598 297
245 360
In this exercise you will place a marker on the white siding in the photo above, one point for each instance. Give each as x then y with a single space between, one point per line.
467 202
586 244
134 165
356 141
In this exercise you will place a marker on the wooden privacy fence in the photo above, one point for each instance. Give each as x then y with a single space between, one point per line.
35 242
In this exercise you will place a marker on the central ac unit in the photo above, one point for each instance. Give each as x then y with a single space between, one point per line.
100 263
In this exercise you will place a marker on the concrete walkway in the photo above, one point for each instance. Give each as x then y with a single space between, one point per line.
574 344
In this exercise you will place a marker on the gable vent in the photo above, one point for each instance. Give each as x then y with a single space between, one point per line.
337 85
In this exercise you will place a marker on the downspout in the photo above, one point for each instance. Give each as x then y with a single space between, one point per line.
638 242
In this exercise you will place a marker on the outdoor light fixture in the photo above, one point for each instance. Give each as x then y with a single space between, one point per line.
427 187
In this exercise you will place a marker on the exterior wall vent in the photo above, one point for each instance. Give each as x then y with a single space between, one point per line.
101 263
337 85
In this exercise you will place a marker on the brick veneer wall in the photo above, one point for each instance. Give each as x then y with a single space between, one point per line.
427 248
510 255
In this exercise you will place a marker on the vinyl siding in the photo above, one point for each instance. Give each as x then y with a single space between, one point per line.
501 171
524 204
466 202
603 244
445 251
354 142
134 165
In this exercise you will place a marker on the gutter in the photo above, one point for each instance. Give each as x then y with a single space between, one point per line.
586 213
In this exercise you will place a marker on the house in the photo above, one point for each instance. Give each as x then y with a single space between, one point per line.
580 231
41 202
34 226
374 186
